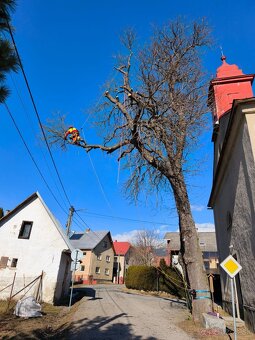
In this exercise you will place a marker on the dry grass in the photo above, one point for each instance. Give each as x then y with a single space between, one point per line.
54 317
197 332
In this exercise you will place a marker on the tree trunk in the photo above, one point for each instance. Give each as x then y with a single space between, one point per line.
190 248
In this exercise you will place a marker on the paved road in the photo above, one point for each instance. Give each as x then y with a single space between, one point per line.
109 312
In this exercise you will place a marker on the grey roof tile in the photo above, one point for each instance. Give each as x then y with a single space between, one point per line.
89 240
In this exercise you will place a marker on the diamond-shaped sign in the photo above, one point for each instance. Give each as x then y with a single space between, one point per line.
231 266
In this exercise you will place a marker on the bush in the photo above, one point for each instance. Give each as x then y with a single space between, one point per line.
163 278
142 278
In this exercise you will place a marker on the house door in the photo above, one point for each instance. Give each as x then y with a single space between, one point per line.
65 282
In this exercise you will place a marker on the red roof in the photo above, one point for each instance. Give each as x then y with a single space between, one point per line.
121 248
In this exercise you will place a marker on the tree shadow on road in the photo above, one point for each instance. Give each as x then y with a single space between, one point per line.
92 329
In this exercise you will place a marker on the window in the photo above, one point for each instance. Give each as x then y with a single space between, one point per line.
108 258
107 271
14 263
115 259
82 268
99 257
4 261
97 270
105 244
84 253
25 230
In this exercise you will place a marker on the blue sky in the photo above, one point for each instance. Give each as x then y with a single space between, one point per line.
68 49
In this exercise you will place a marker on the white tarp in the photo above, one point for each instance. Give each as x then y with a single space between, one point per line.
28 308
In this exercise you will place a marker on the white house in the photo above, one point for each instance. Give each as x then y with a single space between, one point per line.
33 243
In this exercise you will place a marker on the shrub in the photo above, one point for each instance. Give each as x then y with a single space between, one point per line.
141 277
145 278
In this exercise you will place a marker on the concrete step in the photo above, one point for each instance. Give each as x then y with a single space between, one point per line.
230 322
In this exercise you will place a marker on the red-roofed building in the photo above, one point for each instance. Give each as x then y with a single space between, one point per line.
121 260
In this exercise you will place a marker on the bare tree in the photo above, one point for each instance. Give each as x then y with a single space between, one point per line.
143 247
153 117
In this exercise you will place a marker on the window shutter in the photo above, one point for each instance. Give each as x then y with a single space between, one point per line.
4 261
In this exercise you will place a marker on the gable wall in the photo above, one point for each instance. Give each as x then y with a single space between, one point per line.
41 252
103 264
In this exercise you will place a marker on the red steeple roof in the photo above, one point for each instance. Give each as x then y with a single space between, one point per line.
121 248
230 83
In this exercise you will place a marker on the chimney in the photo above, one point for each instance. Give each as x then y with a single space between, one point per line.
87 230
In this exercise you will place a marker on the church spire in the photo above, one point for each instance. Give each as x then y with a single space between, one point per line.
230 83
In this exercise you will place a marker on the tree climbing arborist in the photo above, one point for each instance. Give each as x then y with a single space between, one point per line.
72 134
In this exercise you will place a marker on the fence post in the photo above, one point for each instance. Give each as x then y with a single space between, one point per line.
11 292
39 287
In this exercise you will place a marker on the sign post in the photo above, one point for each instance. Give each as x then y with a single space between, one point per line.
76 255
211 287
232 267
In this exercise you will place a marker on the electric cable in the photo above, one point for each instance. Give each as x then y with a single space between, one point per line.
36 111
96 175
125 218
94 232
32 126
31 156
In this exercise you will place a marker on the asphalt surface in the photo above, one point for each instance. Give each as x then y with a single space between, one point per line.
109 312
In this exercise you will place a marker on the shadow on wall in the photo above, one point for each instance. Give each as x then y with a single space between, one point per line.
89 329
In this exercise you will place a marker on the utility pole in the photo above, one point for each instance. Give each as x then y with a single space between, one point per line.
69 220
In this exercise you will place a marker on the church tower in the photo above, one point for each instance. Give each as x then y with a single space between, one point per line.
230 83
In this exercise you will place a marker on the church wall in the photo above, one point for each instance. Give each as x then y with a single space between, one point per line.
235 215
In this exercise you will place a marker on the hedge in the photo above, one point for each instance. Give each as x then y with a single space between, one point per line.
163 278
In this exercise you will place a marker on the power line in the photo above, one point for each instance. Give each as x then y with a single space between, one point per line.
36 111
30 120
31 156
96 175
81 219
94 232
125 218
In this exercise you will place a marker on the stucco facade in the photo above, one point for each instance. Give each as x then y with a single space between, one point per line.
45 249
97 263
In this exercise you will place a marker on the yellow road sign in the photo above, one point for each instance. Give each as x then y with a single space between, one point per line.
231 266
